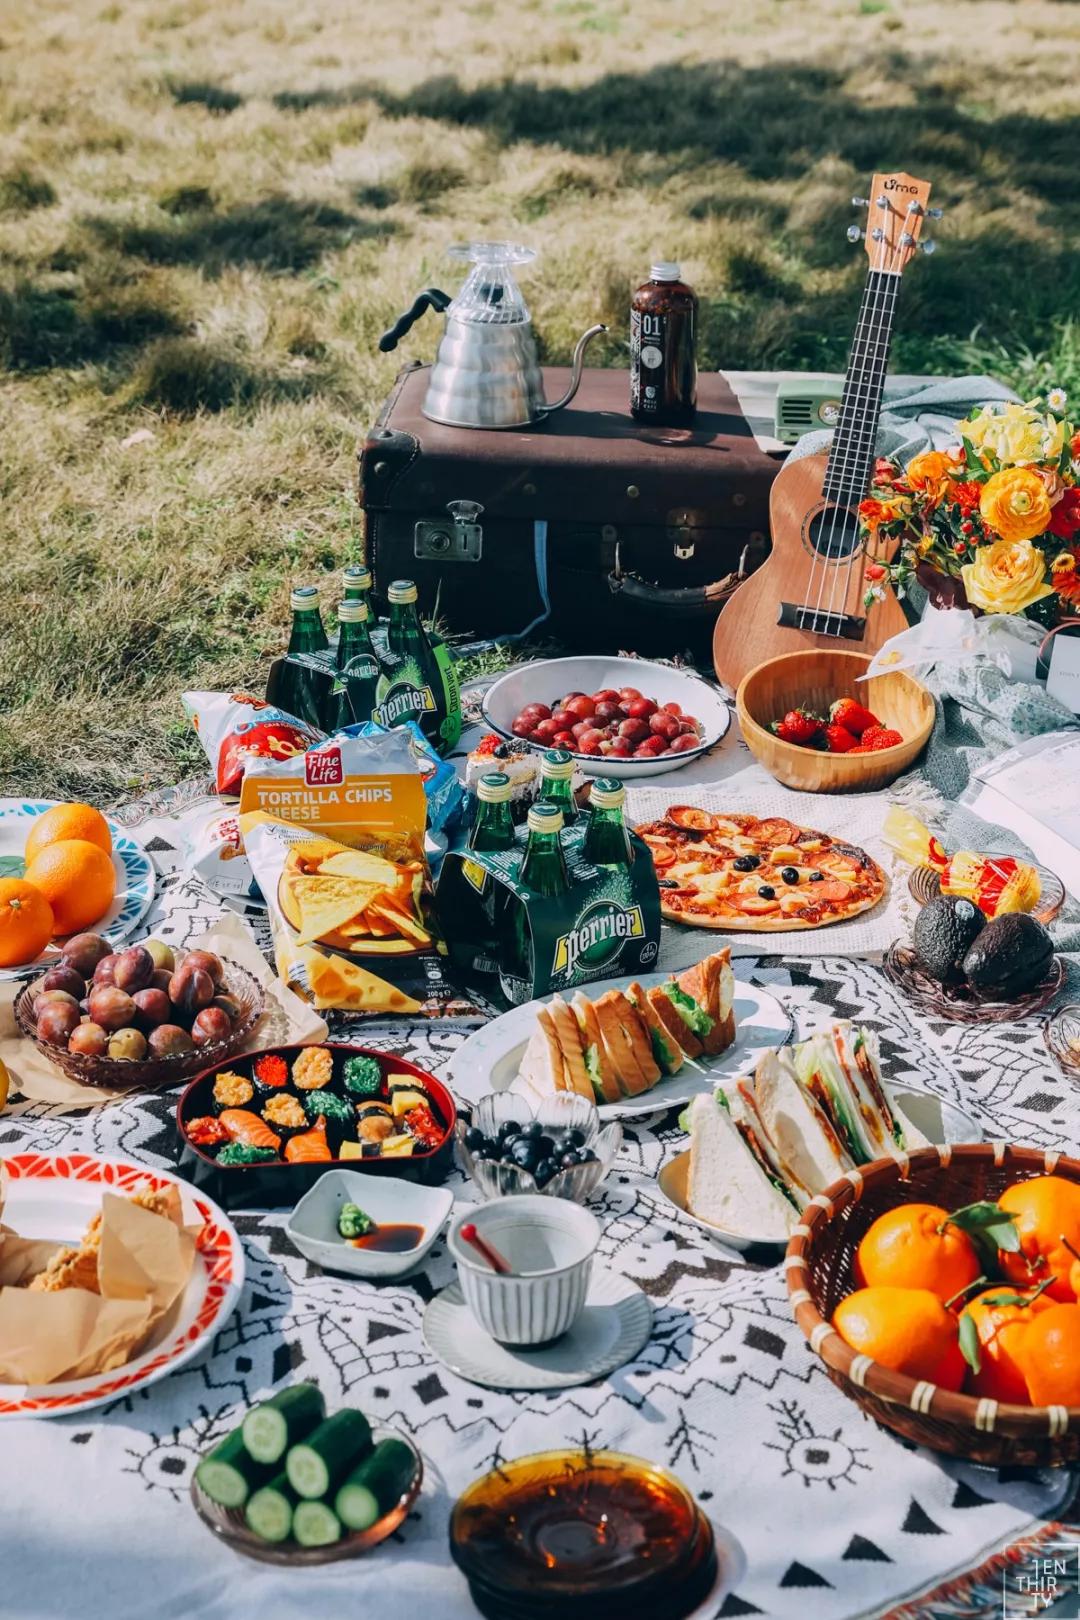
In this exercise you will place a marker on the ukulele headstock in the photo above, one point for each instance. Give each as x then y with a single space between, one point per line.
897 214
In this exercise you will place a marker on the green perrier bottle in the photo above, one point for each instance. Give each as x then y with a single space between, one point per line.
356 683
307 634
305 679
410 687
356 584
606 840
556 782
474 906
543 873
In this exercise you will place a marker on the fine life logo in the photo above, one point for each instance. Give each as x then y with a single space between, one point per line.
323 768
1043 1581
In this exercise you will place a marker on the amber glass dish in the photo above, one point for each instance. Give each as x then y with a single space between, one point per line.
582 1535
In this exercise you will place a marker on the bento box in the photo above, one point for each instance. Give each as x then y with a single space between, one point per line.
256 1131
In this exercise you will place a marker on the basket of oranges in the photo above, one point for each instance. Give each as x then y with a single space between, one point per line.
941 1294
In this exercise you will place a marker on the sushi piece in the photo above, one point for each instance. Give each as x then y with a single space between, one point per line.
376 1486
309 1147
374 1121
232 1091
269 1073
362 1076
244 1126
421 1123
333 1108
283 1421
206 1131
313 1069
397 1147
406 1095
237 1153
284 1113
328 1454
358 1150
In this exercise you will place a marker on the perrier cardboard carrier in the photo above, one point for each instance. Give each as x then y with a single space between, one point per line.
566 905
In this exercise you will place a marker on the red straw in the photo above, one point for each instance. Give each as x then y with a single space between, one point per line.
492 1256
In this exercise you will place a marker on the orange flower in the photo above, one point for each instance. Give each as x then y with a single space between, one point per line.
930 473
1065 575
1015 504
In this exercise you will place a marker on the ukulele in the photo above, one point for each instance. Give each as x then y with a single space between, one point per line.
810 591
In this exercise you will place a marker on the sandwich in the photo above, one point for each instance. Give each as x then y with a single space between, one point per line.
542 1067
697 1006
602 1073
568 1035
728 1184
626 1042
666 1049
810 1149
838 1067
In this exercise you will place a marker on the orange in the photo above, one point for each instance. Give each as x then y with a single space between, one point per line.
77 879
1047 1210
1003 1332
913 1246
26 922
65 821
907 1329
1052 1357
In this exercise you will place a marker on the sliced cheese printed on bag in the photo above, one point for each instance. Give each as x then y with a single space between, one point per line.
334 982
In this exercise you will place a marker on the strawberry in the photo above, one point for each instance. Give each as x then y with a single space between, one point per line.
852 716
797 726
839 739
874 741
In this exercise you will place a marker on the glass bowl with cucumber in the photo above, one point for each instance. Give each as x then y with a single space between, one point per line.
290 1485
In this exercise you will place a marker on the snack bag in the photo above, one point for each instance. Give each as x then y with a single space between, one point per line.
235 727
335 838
441 785
216 854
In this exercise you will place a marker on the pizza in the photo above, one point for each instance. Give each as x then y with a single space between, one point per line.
740 872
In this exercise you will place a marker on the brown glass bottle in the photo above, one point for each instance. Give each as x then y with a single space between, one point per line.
663 367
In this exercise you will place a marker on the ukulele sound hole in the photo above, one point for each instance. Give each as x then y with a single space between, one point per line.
833 533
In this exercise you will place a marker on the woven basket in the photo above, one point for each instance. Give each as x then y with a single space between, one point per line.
820 1272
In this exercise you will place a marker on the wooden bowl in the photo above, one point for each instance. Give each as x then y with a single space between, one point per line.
820 1273
813 680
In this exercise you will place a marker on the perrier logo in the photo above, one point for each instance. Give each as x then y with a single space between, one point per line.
402 701
597 936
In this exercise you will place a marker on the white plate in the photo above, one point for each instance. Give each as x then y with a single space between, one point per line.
552 678
938 1120
134 878
614 1325
490 1058
312 1226
55 1196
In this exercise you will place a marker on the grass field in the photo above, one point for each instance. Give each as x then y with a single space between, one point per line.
209 212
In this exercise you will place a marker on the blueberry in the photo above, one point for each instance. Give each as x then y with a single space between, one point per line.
766 892
545 1147
533 1128
576 1137
817 877
474 1137
568 1160
585 1155
544 1172
790 874
509 1127
483 1153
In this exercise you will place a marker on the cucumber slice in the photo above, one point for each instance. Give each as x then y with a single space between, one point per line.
376 1486
282 1421
269 1512
315 1525
320 1462
228 1474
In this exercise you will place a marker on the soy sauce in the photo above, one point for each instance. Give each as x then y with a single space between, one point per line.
663 366
393 1238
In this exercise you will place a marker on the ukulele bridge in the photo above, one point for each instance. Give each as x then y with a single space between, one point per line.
844 626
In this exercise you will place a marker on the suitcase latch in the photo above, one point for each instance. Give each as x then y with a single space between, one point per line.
458 540
680 531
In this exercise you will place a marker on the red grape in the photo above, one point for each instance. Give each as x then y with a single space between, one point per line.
564 739
641 708
582 706
607 695
608 711
634 730
535 711
683 744
522 728
664 725
688 720
580 727
673 708
564 702
628 694
589 741
563 718
621 748
545 730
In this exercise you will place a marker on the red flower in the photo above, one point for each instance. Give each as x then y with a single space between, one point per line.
1065 516
966 495
1066 581
1074 447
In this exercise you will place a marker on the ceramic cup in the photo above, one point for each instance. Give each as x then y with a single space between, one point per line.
549 1245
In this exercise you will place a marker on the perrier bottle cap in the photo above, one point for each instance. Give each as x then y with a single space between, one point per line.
352 612
402 590
607 794
493 788
545 817
304 596
557 765
356 575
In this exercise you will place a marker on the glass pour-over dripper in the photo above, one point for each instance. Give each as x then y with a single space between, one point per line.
489 295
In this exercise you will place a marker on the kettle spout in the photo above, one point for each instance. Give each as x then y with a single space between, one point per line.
575 375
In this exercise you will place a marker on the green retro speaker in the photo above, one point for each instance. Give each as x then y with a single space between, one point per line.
804 404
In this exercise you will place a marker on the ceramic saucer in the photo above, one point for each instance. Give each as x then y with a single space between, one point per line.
614 1325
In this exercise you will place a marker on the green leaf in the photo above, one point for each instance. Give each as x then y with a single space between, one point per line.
12 866
971 1216
969 1342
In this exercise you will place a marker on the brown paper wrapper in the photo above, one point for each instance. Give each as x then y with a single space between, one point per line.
143 1264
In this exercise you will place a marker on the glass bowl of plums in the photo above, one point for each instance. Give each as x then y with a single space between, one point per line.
557 1148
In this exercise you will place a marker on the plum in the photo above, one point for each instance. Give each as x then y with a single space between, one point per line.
56 1023
103 973
228 1004
83 952
64 977
134 969
162 954
161 980
191 988
111 1008
89 1039
169 1040
127 1045
60 997
153 1007
212 1024
207 961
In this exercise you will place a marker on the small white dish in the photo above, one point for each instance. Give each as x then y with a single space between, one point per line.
552 678
549 1244
312 1226
613 1327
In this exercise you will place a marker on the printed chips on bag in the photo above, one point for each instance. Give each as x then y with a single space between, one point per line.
235 727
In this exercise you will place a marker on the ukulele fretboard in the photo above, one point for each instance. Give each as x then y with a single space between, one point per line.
851 458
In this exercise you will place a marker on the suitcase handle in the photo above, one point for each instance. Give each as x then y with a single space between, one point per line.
430 298
681 599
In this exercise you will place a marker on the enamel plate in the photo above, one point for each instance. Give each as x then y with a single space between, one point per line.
490 1058
55 1196
134 878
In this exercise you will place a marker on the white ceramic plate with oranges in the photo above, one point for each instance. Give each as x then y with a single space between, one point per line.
84 871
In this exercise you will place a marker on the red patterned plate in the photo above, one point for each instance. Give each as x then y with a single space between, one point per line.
55 1196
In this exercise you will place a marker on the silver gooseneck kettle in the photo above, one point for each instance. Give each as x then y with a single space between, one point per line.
486 372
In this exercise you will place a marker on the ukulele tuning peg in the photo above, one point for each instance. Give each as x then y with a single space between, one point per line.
854 233
860 202
929 246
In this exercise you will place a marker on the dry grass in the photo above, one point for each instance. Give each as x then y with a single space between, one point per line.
208 213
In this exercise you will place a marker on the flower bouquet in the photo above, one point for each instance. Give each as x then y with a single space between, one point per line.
992 525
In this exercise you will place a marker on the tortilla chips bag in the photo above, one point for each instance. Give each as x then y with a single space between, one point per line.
335 838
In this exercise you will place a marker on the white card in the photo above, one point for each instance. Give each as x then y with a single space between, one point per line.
1063 680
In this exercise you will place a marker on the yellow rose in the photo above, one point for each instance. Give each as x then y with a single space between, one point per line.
1015 434
931 472
1006 577
1015 504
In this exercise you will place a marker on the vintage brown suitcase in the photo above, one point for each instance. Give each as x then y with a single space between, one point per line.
588 529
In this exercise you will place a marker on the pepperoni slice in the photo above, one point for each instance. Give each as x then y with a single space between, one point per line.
775 830
690 817
831 890
663 855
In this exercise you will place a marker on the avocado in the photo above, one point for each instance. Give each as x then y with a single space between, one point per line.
944 931
1011 955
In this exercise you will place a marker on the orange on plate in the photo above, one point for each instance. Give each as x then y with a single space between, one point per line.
66 821
26 922
78 880
914 1246
1052 1357
1047 1210
1003 1332
907 1329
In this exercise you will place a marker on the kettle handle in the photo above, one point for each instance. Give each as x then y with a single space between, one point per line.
430 297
